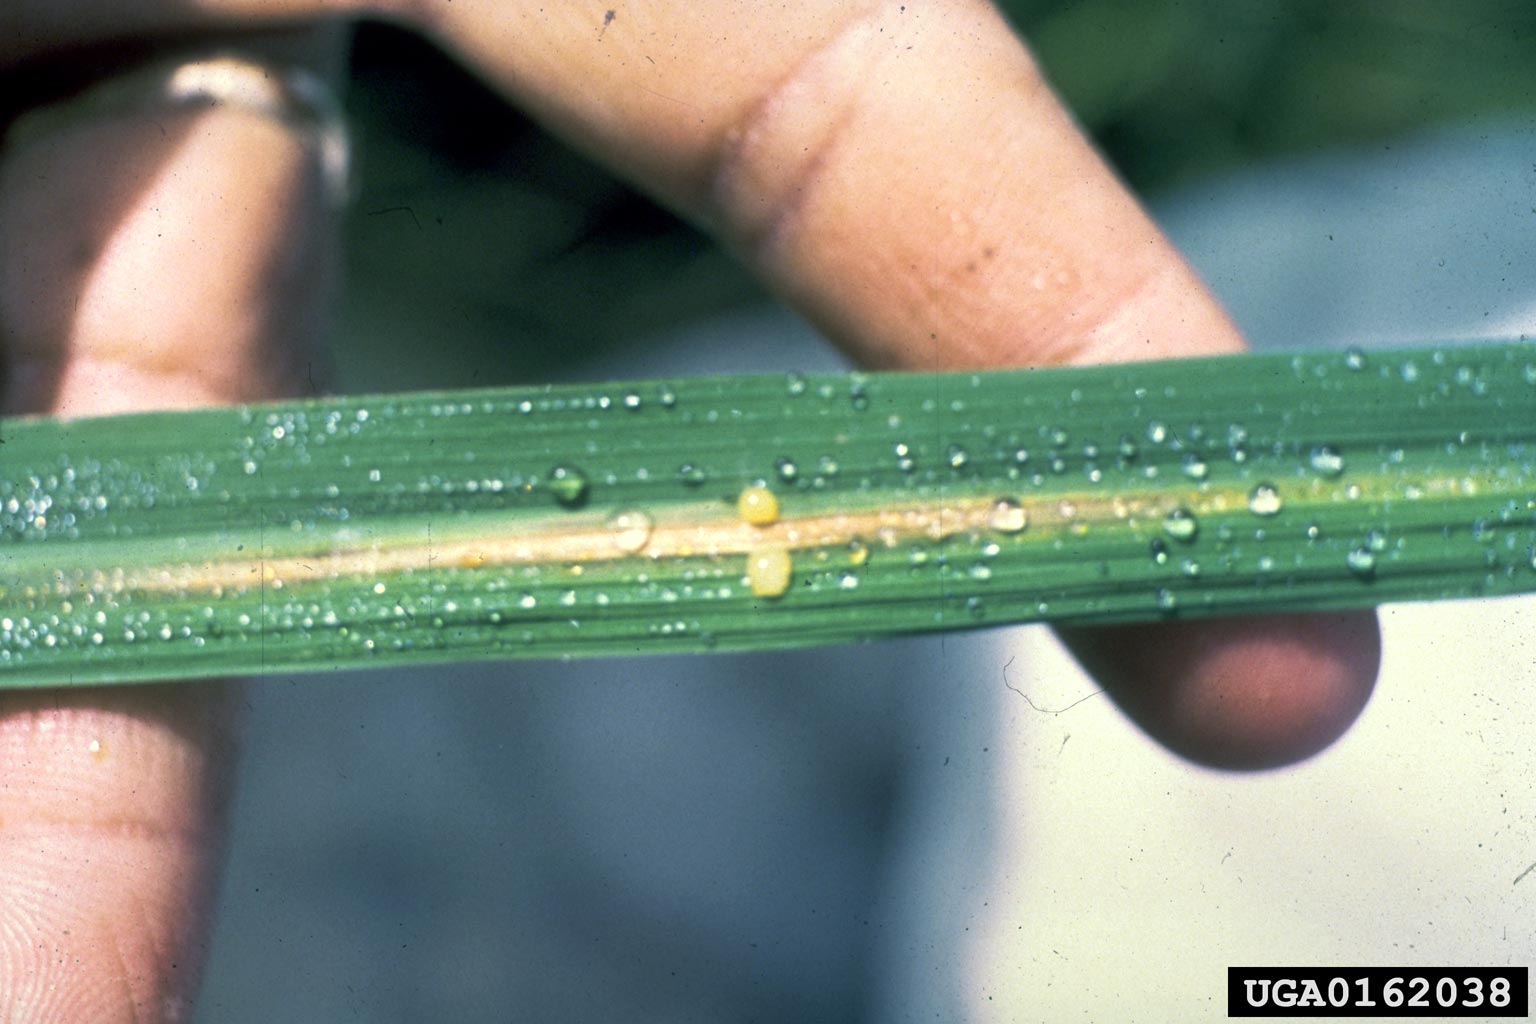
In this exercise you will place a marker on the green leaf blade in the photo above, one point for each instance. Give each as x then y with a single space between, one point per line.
591 520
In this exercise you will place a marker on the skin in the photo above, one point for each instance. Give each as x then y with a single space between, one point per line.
906 178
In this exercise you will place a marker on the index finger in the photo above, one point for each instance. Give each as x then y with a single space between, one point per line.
153 254
904 175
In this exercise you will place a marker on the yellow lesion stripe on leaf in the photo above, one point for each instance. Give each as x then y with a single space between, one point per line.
714 530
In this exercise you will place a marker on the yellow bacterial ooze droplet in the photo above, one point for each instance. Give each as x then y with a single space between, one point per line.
769 570
757 505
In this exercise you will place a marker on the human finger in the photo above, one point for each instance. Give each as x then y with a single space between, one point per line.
164 239
903 174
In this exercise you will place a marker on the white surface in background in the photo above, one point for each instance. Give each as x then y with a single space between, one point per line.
1129 882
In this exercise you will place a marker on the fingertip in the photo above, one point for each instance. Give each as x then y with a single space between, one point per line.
1241 693
112 824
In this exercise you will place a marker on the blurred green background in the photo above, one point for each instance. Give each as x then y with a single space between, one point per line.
481 251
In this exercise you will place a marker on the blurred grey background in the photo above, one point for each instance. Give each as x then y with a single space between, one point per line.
888 832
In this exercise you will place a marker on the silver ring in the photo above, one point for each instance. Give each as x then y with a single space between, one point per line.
295 97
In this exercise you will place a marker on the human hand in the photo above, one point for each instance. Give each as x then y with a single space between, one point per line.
904 177
152 255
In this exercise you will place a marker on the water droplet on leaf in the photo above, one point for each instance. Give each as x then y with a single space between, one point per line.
1361 562
1326 460
1264 500
569 485
1181 524
1007 516
631 530
757 505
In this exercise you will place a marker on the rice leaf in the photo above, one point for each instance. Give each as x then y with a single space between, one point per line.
758 512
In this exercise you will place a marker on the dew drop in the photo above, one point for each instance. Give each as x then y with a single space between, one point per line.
980 571
1264 500
1375 540
848 580
1167 600
1159 551
690 475
770 570
1181 524
827 466
1361 562
631 530
569 485
1409 371
1326 460
795 383
786 469
904 460
858 397
1007 516
1195 467
1354 358
1157 432
757 505
527 601
632 401
957 457
858 552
